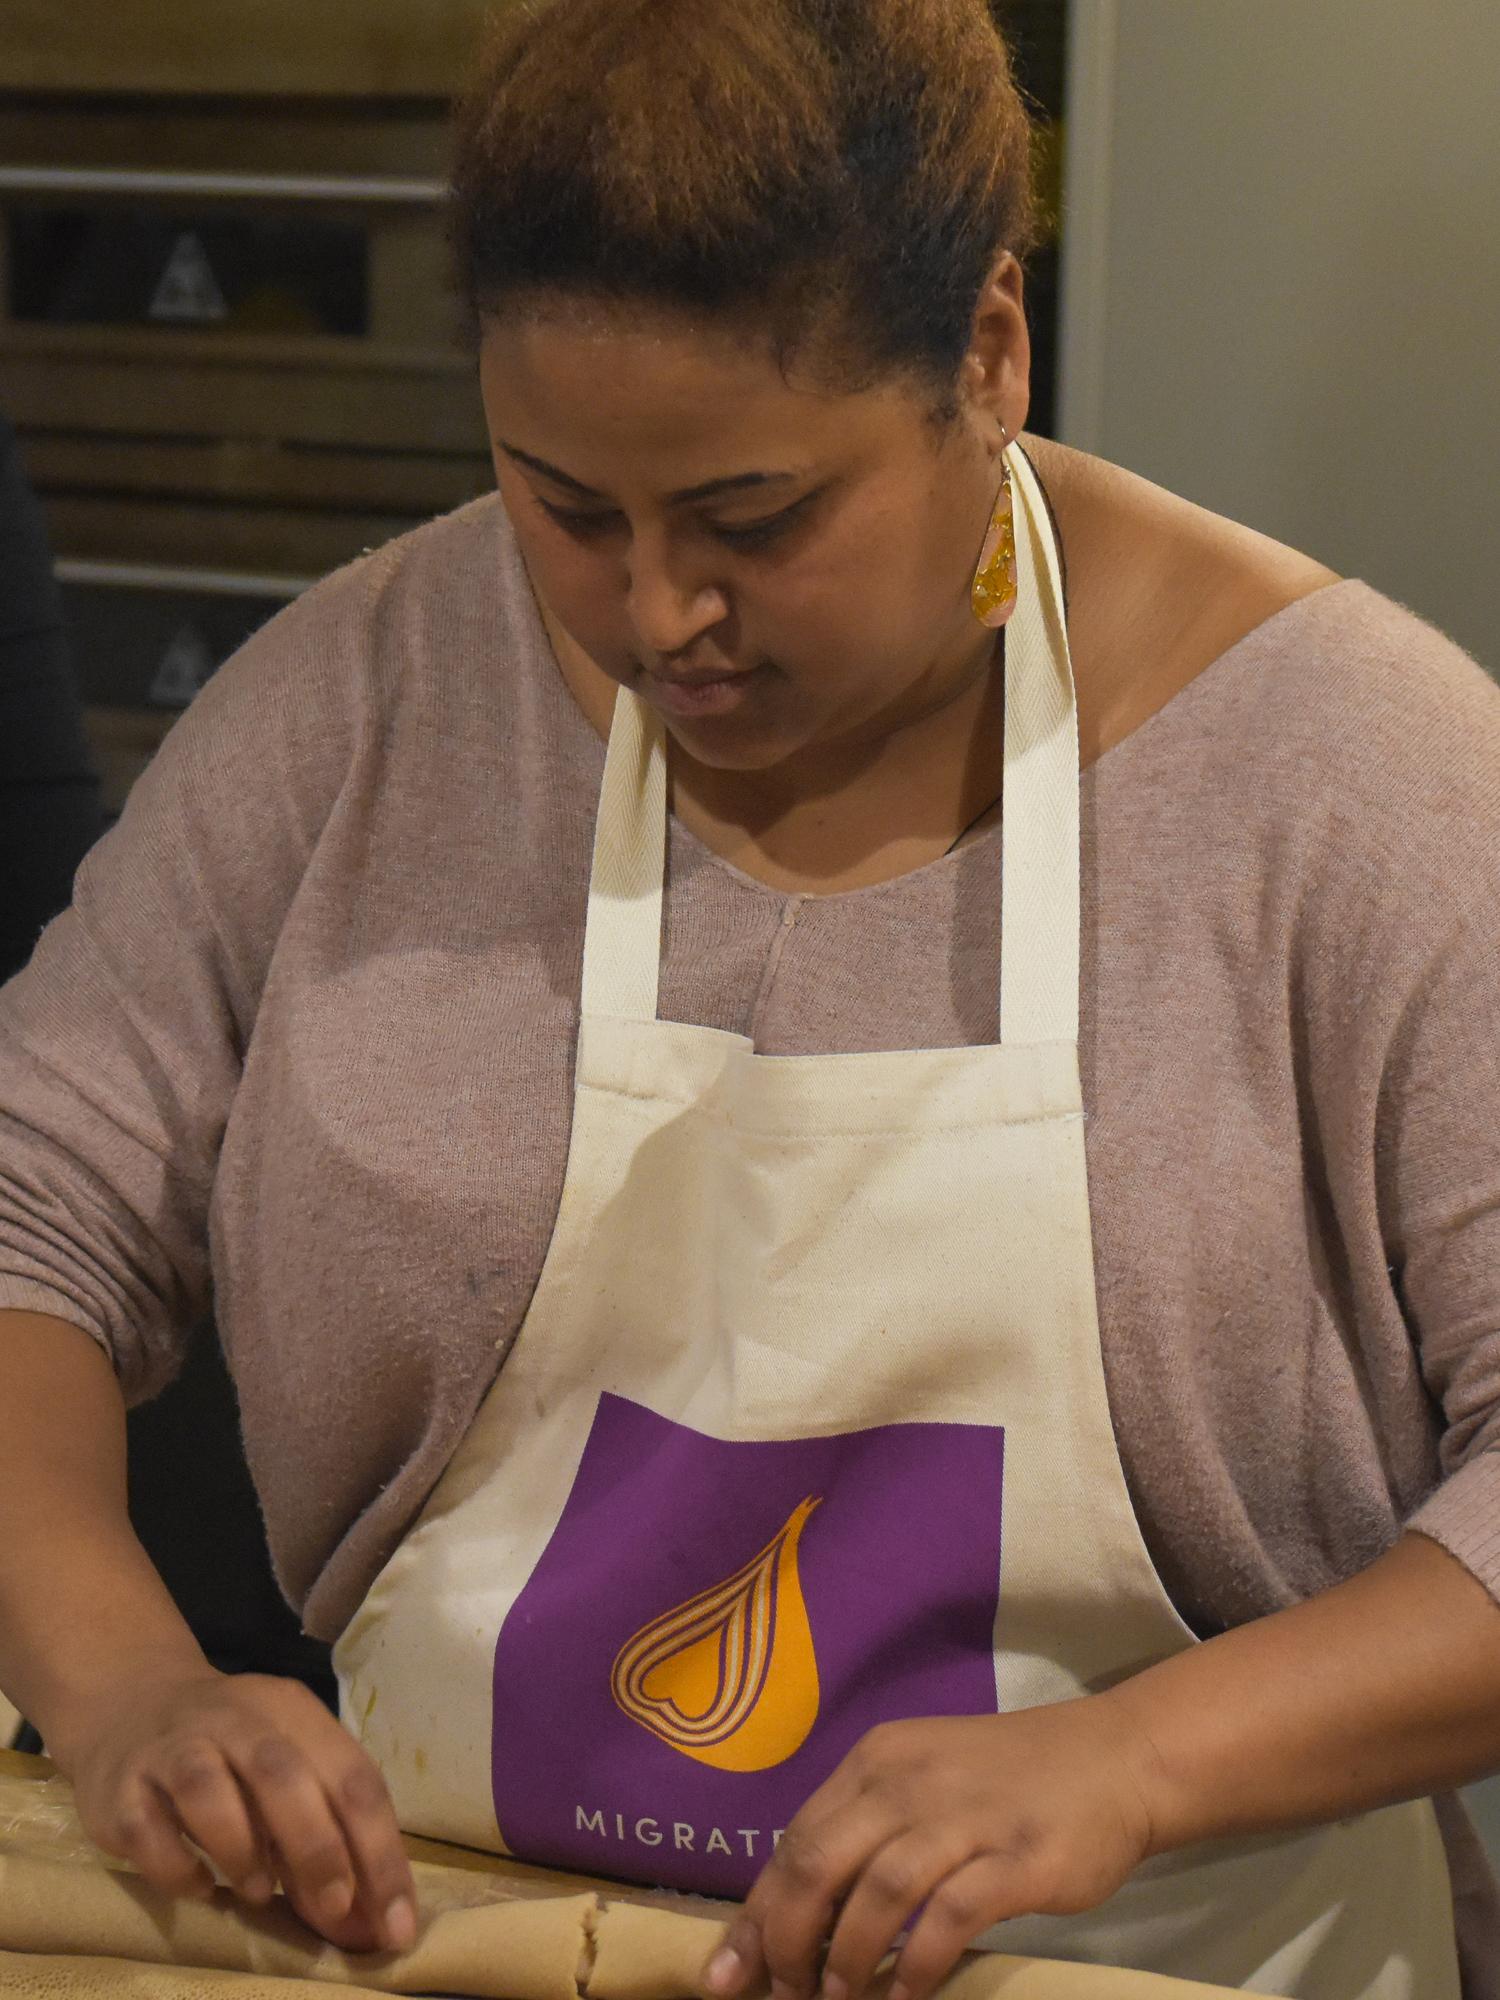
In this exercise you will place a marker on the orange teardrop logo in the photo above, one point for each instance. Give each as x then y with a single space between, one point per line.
730 1678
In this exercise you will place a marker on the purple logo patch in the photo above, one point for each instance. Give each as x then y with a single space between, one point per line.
713 1627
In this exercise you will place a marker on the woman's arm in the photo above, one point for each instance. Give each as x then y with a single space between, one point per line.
158 1743
1383 1689
121 1050
79 1603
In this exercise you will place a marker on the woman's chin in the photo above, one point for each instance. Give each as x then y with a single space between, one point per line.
744 738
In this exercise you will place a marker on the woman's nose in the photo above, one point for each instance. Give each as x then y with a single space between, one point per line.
670 606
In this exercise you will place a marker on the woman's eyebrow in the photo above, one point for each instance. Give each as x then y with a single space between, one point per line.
742 482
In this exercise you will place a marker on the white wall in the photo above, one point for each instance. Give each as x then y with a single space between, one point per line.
1282 286
1282 282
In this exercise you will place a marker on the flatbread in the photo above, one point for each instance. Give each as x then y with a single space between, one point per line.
75 1925
643 1954
28 1978
499 1951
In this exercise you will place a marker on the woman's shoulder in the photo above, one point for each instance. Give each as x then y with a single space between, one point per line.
1342 760
1268 656
440 618
433 631
1364 710
1158 589
448 580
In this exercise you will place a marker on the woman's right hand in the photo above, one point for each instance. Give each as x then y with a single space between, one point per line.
263 1779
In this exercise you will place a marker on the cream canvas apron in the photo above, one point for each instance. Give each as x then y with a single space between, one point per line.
807 1430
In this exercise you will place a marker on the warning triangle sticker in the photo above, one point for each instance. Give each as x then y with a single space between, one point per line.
188 289
185 666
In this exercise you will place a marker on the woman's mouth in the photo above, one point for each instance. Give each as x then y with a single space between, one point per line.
695 695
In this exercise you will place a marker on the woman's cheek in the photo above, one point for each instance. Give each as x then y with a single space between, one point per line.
579 589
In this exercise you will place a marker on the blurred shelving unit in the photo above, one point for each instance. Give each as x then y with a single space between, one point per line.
226 336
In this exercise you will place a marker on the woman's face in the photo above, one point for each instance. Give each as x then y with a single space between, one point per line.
777 568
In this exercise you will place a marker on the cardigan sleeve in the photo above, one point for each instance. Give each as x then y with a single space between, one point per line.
1439 1165
122 1041
1419 985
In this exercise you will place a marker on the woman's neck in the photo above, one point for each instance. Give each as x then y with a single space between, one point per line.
850 823
1157 590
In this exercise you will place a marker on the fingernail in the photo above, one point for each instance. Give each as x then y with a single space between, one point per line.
834 1988
335 1902
259 1889
725 1971
898 1993
400 1924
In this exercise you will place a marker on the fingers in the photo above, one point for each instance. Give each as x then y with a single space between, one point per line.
328 1816
263 1782
961 1909
793 1906
387 1890
201 1792
299 1824
737 1964
795 1897
886 1899
144 1830
939 1828
939 1891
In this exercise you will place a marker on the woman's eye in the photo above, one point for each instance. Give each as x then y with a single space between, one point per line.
756 534
753 535
576 524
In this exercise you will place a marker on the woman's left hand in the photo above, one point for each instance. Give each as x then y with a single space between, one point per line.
946 1827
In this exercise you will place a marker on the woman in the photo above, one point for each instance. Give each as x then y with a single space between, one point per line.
772 1394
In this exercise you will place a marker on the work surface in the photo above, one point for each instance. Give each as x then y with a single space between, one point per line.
76 1926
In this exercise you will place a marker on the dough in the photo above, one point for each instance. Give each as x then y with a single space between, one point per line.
643 1954
504 1951
991 1977
28 1978
491 1929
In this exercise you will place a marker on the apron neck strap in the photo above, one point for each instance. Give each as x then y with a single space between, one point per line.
1041 891
622 943
1042 904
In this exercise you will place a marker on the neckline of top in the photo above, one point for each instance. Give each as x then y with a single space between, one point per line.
1214 672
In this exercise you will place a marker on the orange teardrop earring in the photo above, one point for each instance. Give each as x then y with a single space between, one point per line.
996 588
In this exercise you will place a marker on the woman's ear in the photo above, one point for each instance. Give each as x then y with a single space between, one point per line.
996 372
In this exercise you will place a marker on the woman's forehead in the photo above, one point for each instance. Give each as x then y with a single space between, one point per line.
646 346
607 382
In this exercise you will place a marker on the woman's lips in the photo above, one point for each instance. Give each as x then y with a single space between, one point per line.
720 694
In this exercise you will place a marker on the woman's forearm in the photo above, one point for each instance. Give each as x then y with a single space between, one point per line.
79 1599
1385 1688
254 1771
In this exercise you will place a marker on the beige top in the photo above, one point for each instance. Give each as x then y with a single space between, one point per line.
316 1005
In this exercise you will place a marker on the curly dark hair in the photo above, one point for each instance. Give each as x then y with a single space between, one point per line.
837 173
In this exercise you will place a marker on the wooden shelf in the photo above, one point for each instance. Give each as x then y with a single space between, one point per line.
258 540
415 483
335 48
329 136
366 406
